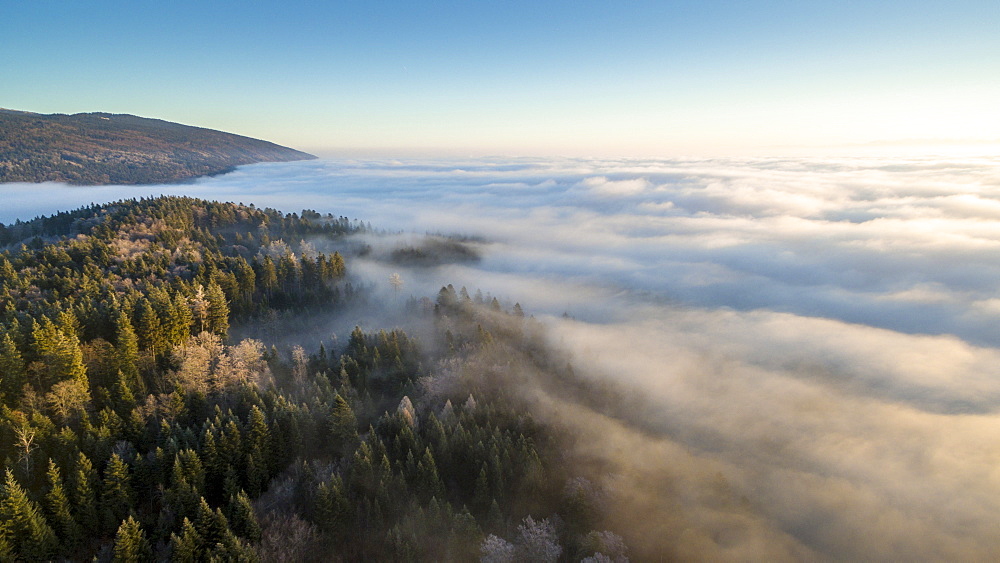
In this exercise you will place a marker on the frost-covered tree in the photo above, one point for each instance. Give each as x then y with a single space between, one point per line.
537 540
300 361
496 550
605 546
406 411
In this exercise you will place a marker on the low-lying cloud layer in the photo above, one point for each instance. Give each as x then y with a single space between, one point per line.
816 340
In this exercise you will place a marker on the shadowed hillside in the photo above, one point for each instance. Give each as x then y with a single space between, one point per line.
103 148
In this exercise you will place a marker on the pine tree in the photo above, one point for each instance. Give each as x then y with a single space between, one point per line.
343 426
11 370
182 319
333 508
127 352
258 434
428 482
217 317
242 519
465 536
481 496
149 330
22 524
268 276
185 547
59 355
213 527
57 508
131 544
122 397
116 494
84 494
213 463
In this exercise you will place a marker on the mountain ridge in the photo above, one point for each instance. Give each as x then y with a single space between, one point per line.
106 148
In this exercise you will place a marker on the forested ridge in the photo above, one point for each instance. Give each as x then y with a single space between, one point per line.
134 428
105 148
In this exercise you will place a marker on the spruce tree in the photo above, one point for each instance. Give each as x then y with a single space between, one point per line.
428 482
22 525
185 547
84 494
343 426
11 370
217 316
149 330
242 519
131 544
57 508
127 352
116 494
59 354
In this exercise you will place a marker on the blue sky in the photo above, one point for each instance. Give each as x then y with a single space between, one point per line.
644 78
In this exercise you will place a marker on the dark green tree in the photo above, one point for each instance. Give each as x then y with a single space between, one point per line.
131 544
343 426
217 320
22 525
116 491
242 519
150 332
59 355
185 547
84 494
127 351
12 378
57 508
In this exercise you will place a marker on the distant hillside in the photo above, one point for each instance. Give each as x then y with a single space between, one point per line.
104 148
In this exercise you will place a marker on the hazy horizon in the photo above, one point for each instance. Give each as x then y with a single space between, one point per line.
549 78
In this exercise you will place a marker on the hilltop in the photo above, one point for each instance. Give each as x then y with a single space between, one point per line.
134 426
105 148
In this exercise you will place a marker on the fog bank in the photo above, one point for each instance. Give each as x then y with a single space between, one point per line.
811 343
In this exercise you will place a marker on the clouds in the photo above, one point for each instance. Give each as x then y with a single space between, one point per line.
809 435
910 244
810 344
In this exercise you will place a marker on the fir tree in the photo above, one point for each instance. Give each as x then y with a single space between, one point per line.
22 524
116 493
59 355
149 330
131 544
11 370
57 508
217 314
127 351
185 547
343 426
242 519
84 494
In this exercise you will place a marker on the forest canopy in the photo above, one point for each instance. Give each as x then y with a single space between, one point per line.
134 426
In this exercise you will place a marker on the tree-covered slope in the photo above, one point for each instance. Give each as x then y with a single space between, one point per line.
134 428
103 148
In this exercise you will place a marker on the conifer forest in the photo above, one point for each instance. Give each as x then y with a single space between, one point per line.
150 409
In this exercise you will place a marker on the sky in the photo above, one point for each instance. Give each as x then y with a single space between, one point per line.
520 78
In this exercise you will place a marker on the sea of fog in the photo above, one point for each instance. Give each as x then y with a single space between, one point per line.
815 340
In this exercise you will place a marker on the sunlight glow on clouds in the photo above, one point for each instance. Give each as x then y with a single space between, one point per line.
811 343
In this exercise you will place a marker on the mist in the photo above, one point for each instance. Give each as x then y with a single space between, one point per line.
811 344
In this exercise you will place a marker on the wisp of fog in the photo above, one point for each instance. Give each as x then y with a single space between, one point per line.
815 341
